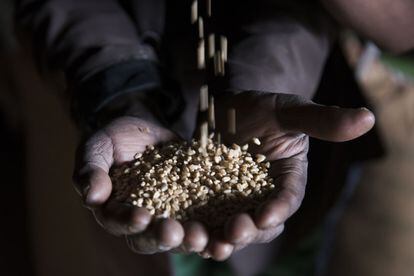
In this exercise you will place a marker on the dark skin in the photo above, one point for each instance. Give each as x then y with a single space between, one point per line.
282 122
371 19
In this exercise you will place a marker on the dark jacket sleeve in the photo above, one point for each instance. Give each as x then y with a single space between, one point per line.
281 47
96 44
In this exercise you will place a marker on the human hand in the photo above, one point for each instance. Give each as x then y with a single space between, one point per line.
114 144
283 123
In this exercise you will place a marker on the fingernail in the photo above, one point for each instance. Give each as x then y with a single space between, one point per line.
85 191
87 198
85 195
134 229
204 255
187 249
164 248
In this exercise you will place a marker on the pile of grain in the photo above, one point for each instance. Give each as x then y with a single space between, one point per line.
187 181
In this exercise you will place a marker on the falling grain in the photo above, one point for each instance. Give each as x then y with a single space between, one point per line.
231 121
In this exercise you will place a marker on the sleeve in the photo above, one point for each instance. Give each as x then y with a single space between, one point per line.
97 46
281 47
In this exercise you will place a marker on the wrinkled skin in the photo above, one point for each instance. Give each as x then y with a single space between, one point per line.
282 122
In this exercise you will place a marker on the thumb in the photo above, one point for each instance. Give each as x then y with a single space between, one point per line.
91 179
328 123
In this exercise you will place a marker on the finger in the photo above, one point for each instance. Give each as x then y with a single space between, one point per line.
160 236
323 122
91 177
241 229
263 236
145 243
218 250
94 185
123 219
169 234
268 235
196 237
285 201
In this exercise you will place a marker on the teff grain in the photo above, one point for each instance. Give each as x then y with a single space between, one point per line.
180 181
256 141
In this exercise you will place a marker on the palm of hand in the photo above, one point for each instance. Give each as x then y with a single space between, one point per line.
115 144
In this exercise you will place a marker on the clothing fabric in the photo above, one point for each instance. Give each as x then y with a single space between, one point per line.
276 46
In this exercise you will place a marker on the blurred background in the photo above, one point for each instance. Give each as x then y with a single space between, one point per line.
368 231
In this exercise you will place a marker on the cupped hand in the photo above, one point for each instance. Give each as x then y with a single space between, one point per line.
283 123
114 144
